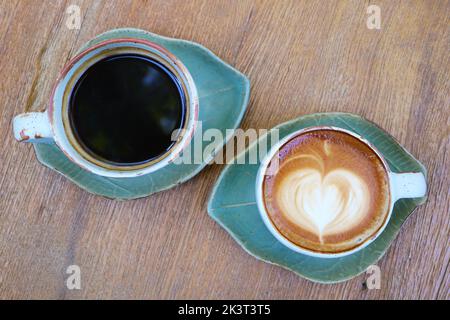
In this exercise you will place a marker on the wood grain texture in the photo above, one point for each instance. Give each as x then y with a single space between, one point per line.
301 57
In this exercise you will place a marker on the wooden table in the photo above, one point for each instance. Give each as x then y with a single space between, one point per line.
301 57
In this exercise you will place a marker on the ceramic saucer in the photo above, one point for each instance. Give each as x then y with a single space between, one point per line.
223 97
233 205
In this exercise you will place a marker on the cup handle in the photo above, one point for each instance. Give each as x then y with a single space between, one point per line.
408 185
33 127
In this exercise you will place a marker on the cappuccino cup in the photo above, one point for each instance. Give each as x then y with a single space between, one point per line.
327 192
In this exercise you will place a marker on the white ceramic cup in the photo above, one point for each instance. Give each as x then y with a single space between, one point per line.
54 125
401 185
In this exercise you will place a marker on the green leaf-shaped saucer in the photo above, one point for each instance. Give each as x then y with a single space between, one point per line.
233 204
223 97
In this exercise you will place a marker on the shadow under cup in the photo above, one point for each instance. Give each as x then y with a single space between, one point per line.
126 109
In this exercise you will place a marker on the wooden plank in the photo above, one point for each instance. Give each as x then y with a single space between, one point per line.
302 57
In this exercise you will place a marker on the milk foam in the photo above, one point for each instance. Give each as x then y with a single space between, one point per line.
323 201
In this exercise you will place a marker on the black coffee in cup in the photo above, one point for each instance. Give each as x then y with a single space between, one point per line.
124 109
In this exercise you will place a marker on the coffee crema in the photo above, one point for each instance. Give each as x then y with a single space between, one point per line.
329 193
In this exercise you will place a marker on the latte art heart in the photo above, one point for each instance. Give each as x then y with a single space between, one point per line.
324 203
329 192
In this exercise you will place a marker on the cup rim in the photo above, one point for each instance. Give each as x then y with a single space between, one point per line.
268 222
77 154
